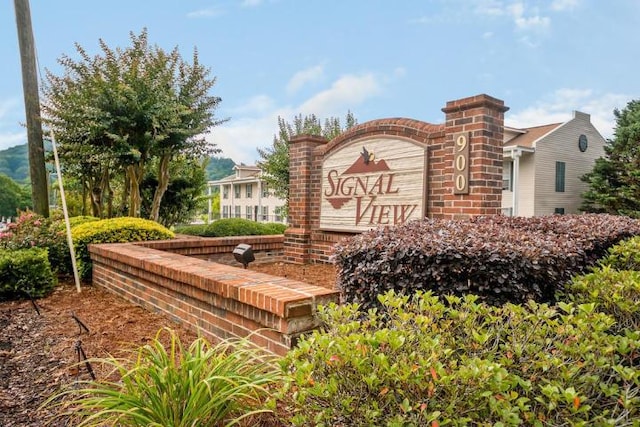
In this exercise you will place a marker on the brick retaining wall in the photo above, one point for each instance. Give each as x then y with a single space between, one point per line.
218 300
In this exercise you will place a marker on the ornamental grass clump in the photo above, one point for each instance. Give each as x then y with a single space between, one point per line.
173 386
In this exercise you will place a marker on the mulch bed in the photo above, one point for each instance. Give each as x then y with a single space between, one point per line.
39 352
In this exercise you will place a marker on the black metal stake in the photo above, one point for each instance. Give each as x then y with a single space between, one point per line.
33 302
83 357
81 325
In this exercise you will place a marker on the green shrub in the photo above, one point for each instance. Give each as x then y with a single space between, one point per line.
501 259
616 293
33 230
274 228
423 361
202 385
77 220
623 256
191 230
232 227
114 230
25 271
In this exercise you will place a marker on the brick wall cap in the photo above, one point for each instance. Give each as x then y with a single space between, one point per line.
428 130
482 100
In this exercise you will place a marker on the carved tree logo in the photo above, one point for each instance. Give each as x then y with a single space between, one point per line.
346 186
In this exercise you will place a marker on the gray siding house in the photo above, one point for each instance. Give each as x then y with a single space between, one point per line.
543 165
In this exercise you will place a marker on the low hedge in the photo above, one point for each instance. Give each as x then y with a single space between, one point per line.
616 293
25 272
501 259
114 230
232 227
623 256
428 361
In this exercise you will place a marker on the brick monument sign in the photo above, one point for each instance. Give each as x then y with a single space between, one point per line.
389 171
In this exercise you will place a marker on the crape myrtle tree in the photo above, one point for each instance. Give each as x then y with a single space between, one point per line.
126 113
274 160
614 182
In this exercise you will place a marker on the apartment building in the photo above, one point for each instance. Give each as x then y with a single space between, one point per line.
245 195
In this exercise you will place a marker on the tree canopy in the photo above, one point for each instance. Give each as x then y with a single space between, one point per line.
124 111
13 197
614 182
274 160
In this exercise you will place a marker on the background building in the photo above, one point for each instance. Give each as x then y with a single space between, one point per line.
543 165
245 195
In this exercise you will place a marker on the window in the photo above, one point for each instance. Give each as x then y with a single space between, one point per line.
225 212
265 189
560 170
236 190
238 212
225 191
265 213
249 191
559 211
507 176
249 212
278 213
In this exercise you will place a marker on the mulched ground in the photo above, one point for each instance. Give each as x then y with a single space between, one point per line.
39 352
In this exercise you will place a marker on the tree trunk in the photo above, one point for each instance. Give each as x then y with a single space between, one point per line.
134 175
37 170
163 184
83 182
105 190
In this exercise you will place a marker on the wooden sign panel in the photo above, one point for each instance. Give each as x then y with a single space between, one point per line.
373 182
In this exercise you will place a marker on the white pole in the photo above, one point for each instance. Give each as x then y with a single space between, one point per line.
66 213
516 182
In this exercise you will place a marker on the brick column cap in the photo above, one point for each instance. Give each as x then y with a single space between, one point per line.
482 100
317 139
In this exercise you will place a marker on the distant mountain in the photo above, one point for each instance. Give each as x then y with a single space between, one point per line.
14 162
219 167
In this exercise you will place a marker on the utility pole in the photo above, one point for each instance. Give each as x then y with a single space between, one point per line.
37 170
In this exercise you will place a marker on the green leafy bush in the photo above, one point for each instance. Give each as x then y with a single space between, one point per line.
623 256
275 227
616 293
501 259
232 227
192 230
33 230
114 230
77 220
25 271
202 385
427 361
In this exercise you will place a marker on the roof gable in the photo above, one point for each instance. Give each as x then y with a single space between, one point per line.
531 135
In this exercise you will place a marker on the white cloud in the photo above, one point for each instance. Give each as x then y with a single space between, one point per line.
251 3
559 106
399 72
523 22
561 5
11 139
348 90
303 77
490 7
205 13
9 136
257 104
487 35
240 137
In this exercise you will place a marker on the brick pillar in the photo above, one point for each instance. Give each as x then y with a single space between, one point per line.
297 238
482 118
